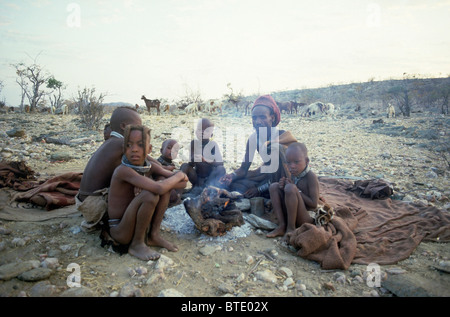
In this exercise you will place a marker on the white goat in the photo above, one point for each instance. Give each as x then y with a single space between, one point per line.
192 108
390 111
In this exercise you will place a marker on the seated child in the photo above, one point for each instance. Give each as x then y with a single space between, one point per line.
292 197
169 152
137 203
206 164
107 131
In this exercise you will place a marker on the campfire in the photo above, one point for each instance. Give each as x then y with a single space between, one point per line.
214 211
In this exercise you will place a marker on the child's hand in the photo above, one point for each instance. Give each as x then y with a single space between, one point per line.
251 192
282 182
182 176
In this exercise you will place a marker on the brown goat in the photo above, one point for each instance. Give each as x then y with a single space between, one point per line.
152 104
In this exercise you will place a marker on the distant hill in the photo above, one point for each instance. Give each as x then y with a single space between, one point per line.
118 104
422 94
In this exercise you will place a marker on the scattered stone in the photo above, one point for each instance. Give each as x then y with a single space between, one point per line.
329 286
249 260
240 278
405 285
35 275
395 270
16 133
259 222
266 276
156 276
130 290
44 289
170 292
11 270
164 262
289 282
285 271
19 242
300 286
226 288
81 291
5 231
51 263
209 249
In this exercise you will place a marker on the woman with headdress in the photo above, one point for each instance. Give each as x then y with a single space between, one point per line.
271 144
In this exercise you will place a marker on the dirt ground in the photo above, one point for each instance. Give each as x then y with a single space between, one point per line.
206 267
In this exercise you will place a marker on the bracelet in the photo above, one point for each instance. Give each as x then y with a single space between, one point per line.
264 187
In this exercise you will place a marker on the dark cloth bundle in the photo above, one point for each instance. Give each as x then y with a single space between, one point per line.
373 188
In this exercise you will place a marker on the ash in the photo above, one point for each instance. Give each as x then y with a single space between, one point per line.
177 220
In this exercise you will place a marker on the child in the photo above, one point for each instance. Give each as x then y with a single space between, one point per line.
107 131
169 152
292 197
136 203
206 164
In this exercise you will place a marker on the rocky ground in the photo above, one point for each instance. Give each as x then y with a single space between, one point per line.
411 153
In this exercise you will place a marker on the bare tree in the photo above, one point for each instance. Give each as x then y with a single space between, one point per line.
31 78
443 92
191 96
90 107
233 97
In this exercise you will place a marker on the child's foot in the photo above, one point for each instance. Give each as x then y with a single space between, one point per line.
158 241
278 231
143 252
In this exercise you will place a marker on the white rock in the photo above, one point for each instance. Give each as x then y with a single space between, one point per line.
286 271
50 263
170 292
289 282
266 276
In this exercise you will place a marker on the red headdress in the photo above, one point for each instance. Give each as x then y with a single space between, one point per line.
267 101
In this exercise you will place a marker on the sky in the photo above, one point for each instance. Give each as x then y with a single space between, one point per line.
166 48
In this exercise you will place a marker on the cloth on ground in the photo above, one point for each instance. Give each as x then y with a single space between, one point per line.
373 188
16 175
56 192
367 231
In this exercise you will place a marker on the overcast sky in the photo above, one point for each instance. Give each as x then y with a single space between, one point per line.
160 48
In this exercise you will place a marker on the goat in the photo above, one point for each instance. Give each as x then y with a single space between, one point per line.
192 108
152 104
390 111
214 105
286 106
65 109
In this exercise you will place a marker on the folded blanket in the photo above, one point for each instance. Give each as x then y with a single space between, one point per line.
333 245
56 192
367 231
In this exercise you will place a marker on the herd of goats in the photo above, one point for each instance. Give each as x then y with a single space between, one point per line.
210 106
217 106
